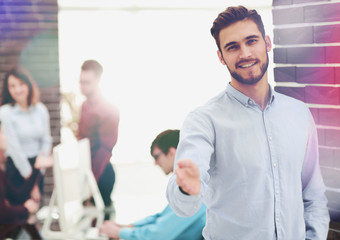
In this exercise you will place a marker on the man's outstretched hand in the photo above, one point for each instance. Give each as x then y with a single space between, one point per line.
188 177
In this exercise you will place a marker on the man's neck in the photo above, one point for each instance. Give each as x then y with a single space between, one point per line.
259 92
93 96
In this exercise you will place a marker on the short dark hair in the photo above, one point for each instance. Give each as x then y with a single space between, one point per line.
94 66
232 15
21 73
165 140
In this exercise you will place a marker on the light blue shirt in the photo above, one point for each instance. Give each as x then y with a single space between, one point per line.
27 134
259 170
167 226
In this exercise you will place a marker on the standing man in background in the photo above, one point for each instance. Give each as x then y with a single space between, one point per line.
99 123
250 154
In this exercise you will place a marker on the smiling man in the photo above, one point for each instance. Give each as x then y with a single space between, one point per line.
250 154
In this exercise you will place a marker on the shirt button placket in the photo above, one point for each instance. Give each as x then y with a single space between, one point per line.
275 178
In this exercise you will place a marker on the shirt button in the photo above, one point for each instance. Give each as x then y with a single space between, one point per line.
270 138
274 165
277 219
250 102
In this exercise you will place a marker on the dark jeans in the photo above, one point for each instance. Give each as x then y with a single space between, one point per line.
13 230
105 185
17 180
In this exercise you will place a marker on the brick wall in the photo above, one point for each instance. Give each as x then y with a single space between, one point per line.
29 36
307 67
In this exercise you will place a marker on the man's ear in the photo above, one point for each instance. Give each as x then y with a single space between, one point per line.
220 57
268 43
172 151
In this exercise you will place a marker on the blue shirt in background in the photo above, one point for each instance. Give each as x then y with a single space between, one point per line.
167 226
27 134
259 170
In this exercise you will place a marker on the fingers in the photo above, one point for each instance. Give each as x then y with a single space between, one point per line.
43 162
188 177
104 227
31 206
110 228
35 193
185 163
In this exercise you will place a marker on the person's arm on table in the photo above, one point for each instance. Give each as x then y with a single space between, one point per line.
165 226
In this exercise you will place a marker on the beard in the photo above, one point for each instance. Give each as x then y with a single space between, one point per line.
251 80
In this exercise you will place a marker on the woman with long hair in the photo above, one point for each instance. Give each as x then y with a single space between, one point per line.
26 125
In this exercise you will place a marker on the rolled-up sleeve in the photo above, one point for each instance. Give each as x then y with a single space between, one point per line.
196 143
13 147
46 141
315 202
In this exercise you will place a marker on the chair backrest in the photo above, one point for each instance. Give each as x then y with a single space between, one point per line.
66 172
84 154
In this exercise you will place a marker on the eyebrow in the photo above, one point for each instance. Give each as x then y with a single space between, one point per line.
247 38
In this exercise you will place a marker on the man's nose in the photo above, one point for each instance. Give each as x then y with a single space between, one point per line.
245 52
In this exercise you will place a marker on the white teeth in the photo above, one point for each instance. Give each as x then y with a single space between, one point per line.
247 65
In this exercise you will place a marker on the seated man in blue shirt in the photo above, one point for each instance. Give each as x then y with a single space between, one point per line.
164 225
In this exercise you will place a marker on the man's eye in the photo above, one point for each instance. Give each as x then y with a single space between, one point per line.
231 48
252 41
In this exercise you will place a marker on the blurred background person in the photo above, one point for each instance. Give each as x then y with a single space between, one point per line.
98 122
165 225
26 126
2 148
13 218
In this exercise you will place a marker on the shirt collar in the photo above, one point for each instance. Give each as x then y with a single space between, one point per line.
97 97
18 109
244 99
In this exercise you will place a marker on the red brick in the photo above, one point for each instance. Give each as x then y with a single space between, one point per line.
331 178
326 157
295 92
288 16
313 75
321 137
332 137
336 158
276 36
33 9
306 55
329 117
337 75
327 34
280 55
315 113
12 3
322 13
306 1
333 53
300 35
322 95
282 2
284 74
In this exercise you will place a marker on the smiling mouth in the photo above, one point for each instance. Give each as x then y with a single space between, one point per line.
248 65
